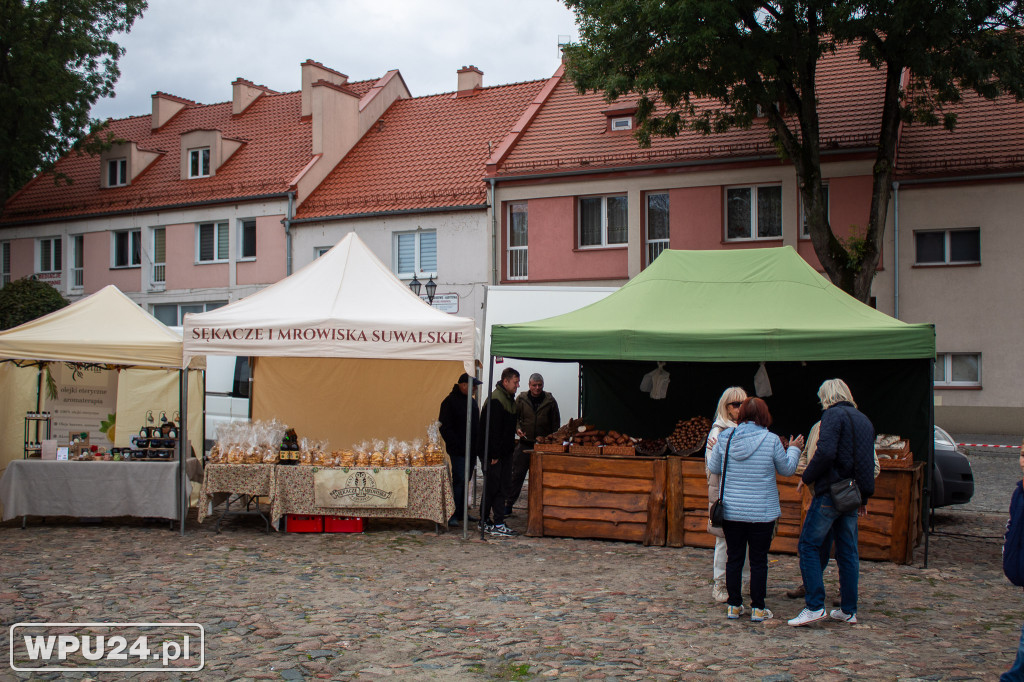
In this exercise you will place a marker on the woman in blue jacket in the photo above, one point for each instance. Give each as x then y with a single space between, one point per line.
751 499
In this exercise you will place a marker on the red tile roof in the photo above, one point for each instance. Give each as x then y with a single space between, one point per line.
277 145
424 152
988 138
570 132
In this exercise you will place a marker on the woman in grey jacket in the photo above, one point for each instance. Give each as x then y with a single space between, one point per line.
751 499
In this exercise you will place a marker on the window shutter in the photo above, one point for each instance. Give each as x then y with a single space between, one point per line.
206 242
428 251
223 245
159 245
406 253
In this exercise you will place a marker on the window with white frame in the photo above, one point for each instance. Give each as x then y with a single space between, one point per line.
657 225
127 248
159 255
753 212
621 123
199 162
415 253
957 369
948 247
518 233
5 263
173 314
212 243
77 261
603 221
117 172
50 256
805 232
247 239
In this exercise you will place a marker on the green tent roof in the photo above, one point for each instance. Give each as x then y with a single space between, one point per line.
720 306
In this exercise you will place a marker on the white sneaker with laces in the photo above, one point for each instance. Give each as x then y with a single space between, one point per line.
719 592
839 614
806 617
758 615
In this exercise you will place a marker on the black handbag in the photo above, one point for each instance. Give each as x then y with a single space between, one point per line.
718 508
845 493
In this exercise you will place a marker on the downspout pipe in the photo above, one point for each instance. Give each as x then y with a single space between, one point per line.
896 249
287 222
494 237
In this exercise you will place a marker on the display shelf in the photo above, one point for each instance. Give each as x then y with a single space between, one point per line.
37 421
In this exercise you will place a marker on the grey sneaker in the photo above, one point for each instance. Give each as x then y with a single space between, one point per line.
806 617
839 614
502 530
719 592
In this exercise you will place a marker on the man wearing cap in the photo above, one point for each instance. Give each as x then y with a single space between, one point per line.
537 413
453 429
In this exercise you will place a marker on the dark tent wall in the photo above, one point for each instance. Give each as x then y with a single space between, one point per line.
895 394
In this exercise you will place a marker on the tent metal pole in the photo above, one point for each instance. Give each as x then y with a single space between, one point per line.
467 456
184 487
929 479
485 464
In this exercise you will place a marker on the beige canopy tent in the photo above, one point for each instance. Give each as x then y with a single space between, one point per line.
105 329
343 350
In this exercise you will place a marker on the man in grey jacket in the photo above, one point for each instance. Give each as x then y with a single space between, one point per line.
537 414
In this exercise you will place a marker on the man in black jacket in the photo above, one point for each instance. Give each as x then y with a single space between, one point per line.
846 448
498 428
453 429
537 415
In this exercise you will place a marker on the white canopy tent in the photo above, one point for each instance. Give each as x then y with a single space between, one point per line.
107 329
343 350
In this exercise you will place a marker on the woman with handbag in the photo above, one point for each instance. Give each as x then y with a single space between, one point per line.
748 458
842 475
725 418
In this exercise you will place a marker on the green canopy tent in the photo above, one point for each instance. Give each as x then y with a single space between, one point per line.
713 317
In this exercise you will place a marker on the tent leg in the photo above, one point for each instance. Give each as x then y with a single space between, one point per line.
929 482
467 458
485 464
184 485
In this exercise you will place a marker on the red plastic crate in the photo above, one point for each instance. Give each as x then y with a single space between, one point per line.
343 524
302 523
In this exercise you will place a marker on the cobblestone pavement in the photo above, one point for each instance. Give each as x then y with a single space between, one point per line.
401 602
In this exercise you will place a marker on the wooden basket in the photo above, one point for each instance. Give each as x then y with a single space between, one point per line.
584 449
897 459
619 450
549 447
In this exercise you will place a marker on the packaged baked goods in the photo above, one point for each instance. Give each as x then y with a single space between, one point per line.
402 458
216 454
391 454
348 457
363 454
417 455
435 451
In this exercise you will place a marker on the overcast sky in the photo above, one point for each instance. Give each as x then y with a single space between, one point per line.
196 48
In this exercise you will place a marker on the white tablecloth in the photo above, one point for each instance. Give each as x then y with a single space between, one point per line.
32 487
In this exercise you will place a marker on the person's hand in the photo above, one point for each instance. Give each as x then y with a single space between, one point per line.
797 442
714 439
493 462
800 485
863 511
520 433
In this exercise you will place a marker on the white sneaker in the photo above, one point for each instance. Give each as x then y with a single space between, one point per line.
758 615
839 614
806 617
719 592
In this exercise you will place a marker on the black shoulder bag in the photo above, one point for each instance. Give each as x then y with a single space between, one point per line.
718 508
845 493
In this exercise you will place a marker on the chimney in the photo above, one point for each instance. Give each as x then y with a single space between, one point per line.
165 107
471 79
313 72
244 93
335 115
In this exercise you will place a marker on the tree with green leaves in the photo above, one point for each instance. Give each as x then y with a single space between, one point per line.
740 57
57 57
26 299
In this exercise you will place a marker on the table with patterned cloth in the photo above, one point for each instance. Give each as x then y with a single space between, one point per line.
430 496
220 480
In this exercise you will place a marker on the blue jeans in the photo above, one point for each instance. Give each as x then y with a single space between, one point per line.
1016 671
821 520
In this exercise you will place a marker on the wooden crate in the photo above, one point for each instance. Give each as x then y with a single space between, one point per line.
550 447
627 450
584 449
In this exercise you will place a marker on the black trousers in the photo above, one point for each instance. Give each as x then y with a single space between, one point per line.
741 537
517 475
496 490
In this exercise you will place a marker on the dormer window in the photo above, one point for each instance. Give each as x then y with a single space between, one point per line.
199 162
622 123
117 172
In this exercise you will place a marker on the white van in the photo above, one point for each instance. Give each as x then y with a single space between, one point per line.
227 393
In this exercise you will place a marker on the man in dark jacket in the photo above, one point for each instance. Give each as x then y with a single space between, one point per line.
846 448
453 429
537 413
498 429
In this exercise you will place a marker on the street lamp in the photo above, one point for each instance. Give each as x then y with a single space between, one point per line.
415 285
431 290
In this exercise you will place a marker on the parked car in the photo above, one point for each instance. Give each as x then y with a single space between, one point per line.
952 477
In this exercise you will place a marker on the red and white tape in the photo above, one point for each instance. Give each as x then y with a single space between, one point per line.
985 445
